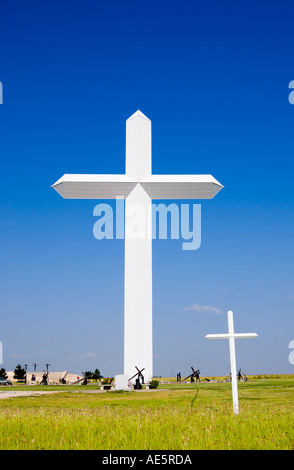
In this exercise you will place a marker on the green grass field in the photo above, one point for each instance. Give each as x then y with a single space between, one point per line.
172 417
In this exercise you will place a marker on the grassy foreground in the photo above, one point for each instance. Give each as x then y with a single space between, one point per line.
182 417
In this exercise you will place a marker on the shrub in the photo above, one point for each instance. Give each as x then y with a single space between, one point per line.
154 383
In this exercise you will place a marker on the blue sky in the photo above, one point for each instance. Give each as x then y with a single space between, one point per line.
213 78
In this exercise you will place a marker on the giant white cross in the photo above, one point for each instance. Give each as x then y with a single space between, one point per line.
231 336
138 186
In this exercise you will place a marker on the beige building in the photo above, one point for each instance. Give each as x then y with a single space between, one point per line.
53 377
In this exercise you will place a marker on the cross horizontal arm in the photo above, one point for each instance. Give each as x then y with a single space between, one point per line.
224 336
94 186
235 335
181 186
245 335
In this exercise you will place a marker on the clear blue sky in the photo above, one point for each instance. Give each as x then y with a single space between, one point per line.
213 78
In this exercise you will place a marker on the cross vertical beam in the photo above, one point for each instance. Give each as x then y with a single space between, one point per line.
138 250
231 336
138 147
138 286
233 362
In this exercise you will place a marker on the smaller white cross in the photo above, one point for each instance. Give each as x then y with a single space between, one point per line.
231 337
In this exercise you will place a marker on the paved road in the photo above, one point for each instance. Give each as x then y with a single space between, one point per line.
20 393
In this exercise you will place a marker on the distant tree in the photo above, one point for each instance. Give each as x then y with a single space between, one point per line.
3 374
88 374
19 373
96 374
